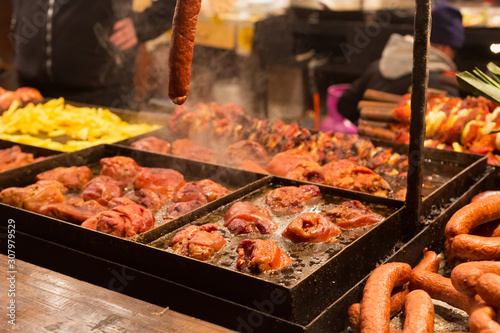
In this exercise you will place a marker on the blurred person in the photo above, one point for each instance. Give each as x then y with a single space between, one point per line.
84 50
392 73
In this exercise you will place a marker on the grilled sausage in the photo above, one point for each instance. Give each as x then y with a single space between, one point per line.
483 319
181 49
424 277
473 215
484 195
488 287
396 304
375 305
419 312
476 248
430 262
465 276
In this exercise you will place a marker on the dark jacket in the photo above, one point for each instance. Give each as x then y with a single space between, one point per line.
392 73
63 48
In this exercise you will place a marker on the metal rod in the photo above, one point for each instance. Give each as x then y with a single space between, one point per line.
420 78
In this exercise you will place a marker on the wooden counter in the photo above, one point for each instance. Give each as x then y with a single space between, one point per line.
47 301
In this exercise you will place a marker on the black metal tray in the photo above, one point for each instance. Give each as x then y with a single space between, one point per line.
310 284
431 237
75 236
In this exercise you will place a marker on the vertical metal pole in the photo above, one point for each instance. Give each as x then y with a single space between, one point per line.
420 78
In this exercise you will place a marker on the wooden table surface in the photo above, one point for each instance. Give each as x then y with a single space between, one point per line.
47 301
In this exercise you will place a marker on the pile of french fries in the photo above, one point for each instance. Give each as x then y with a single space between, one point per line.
60 126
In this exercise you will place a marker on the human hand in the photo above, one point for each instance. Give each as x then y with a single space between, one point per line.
124 36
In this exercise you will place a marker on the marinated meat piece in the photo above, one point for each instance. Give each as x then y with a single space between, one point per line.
13 157
34 196
261 256
244 217
291 199
181 208
28 95
162 181
69 177
212 190
120 201
189 149
311 228
123 220
349 175
152 143
102 189
246 150
188 192
307 171
74 210
285 161
353 214
120 168
149 199
198 242
252 166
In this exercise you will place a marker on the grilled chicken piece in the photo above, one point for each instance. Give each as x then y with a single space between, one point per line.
154 144
291 199
212 190
283 162
311 228
246 150
162 181
13 157
188 192
353 214
198 242
102 189
120 168
34 196
252 166
71 177
74 210
149 199
307 171
349 175
204 190
261 256
189 149
178 209
244 217
122 220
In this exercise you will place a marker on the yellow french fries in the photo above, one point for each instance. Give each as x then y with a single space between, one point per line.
81 127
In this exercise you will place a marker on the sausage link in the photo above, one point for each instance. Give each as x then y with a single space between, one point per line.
181 49
482 319
440 288
476 248
484 195
465 276
397 301
375 305
488 287
473 215
419 312
490 229
430 262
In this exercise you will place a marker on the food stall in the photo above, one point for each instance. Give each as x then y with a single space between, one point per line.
249 223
